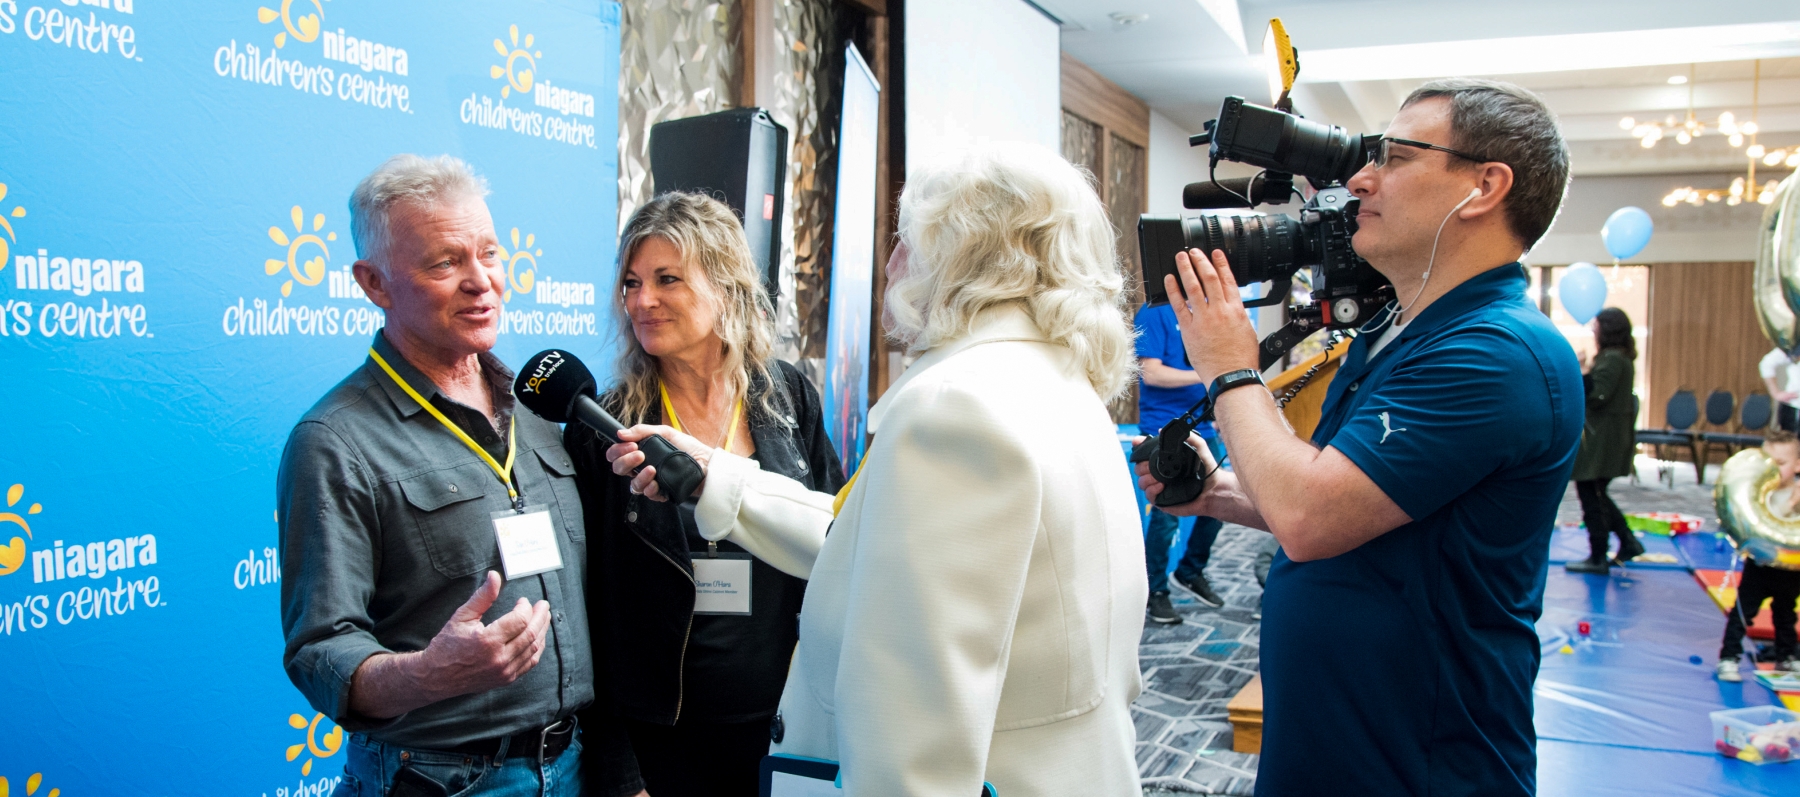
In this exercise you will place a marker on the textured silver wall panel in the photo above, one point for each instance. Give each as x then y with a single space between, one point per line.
678 58
804 100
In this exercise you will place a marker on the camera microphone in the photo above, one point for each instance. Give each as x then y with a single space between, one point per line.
555 386
1267 188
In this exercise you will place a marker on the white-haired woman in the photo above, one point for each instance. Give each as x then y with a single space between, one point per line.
695 680
975 612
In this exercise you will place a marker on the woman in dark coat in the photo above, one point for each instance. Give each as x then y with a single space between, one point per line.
693 678
1608 441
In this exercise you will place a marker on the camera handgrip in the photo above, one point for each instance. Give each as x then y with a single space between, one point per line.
676 473
1176 466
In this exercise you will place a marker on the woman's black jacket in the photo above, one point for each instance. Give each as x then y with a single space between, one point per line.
654 659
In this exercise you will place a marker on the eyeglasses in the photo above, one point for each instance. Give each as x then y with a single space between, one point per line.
1378 155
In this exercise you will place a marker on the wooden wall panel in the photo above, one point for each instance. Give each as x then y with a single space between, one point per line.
1091 96
1703 334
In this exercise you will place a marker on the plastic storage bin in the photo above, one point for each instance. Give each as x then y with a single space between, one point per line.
1758 734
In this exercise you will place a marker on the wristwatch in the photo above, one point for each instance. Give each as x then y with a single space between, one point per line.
1233 379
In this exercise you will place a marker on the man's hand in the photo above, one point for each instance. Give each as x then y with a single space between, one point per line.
467 657
1214 327
1787 396
625 458
464 658
1153 488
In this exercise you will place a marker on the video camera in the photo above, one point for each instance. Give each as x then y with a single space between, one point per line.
1346 292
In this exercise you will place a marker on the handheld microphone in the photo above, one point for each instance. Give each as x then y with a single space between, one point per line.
555 386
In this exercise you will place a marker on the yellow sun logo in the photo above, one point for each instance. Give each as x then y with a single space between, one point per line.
518 77
31 786
320 747
18 212
12 555
304 29
520 279
306 272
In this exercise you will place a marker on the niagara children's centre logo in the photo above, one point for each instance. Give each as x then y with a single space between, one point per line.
301 261
53 560
522 280
366 69
41 276
561 110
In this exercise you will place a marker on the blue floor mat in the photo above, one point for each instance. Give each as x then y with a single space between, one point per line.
1625 712
1707 550
1569 543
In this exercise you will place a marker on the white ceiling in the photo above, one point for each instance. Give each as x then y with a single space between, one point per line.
1612 58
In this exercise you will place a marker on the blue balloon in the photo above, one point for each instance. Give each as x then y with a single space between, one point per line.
1626 232
1582 291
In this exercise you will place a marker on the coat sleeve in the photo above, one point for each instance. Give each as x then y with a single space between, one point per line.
946 527
775 518
1608 380
330 553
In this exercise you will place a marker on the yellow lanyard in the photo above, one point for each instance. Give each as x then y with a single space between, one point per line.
512 438
675 422
837 504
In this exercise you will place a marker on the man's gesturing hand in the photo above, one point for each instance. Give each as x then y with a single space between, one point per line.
1214 328
467 657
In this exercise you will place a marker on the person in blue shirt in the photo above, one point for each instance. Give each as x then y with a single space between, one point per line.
1398 648
1168 389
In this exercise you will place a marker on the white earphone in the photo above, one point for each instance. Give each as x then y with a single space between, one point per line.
1474 194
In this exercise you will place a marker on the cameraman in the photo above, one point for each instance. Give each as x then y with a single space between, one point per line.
1398 649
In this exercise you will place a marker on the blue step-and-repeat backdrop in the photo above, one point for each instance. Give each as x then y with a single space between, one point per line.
175 291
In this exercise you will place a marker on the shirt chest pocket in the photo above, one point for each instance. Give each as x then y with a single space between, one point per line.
560 470
452 523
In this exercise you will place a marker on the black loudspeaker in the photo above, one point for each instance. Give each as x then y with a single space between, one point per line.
737 156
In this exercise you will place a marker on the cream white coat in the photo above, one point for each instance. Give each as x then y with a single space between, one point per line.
974 613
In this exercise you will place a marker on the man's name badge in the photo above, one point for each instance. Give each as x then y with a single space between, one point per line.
722 584
527 543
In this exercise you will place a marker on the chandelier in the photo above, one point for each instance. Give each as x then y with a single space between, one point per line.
1690 127
1743 188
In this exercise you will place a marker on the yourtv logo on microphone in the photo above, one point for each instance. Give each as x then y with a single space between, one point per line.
317 295
539 108
46 292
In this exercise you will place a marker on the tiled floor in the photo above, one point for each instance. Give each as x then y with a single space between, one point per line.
1192 670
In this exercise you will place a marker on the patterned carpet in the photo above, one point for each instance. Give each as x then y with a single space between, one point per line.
1192 670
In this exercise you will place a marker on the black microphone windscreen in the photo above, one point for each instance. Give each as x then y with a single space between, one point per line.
550 381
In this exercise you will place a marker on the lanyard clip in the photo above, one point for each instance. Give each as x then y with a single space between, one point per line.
518 503
712 549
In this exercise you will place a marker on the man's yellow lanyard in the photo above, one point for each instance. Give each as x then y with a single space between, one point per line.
512 438
675 422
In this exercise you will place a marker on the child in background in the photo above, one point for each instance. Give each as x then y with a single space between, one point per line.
1778 585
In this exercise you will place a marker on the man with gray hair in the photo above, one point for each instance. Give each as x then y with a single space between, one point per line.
1398 642
404 494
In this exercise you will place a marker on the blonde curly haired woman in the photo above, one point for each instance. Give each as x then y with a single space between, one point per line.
975 612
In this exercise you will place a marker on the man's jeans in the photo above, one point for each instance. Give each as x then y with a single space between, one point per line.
1161 534
369 772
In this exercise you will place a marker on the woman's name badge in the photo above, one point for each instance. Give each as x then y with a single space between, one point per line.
722 584
527 543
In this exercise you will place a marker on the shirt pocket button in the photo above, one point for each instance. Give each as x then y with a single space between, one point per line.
450 487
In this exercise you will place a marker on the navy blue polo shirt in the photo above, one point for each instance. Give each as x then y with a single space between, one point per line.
1159 337
1404 667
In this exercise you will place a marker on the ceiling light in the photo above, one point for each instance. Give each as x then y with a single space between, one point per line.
1557 53
1793 160
1774 157
1754 150
1627 123
1736 140
1677 80
1122 19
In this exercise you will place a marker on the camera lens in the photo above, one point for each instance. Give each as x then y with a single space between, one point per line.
1259 247
1259 136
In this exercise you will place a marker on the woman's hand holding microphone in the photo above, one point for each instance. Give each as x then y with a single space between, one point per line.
625 457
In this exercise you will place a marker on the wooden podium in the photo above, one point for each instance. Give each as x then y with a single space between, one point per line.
1245 709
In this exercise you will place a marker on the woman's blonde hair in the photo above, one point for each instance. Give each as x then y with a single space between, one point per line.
1015 225
711 242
